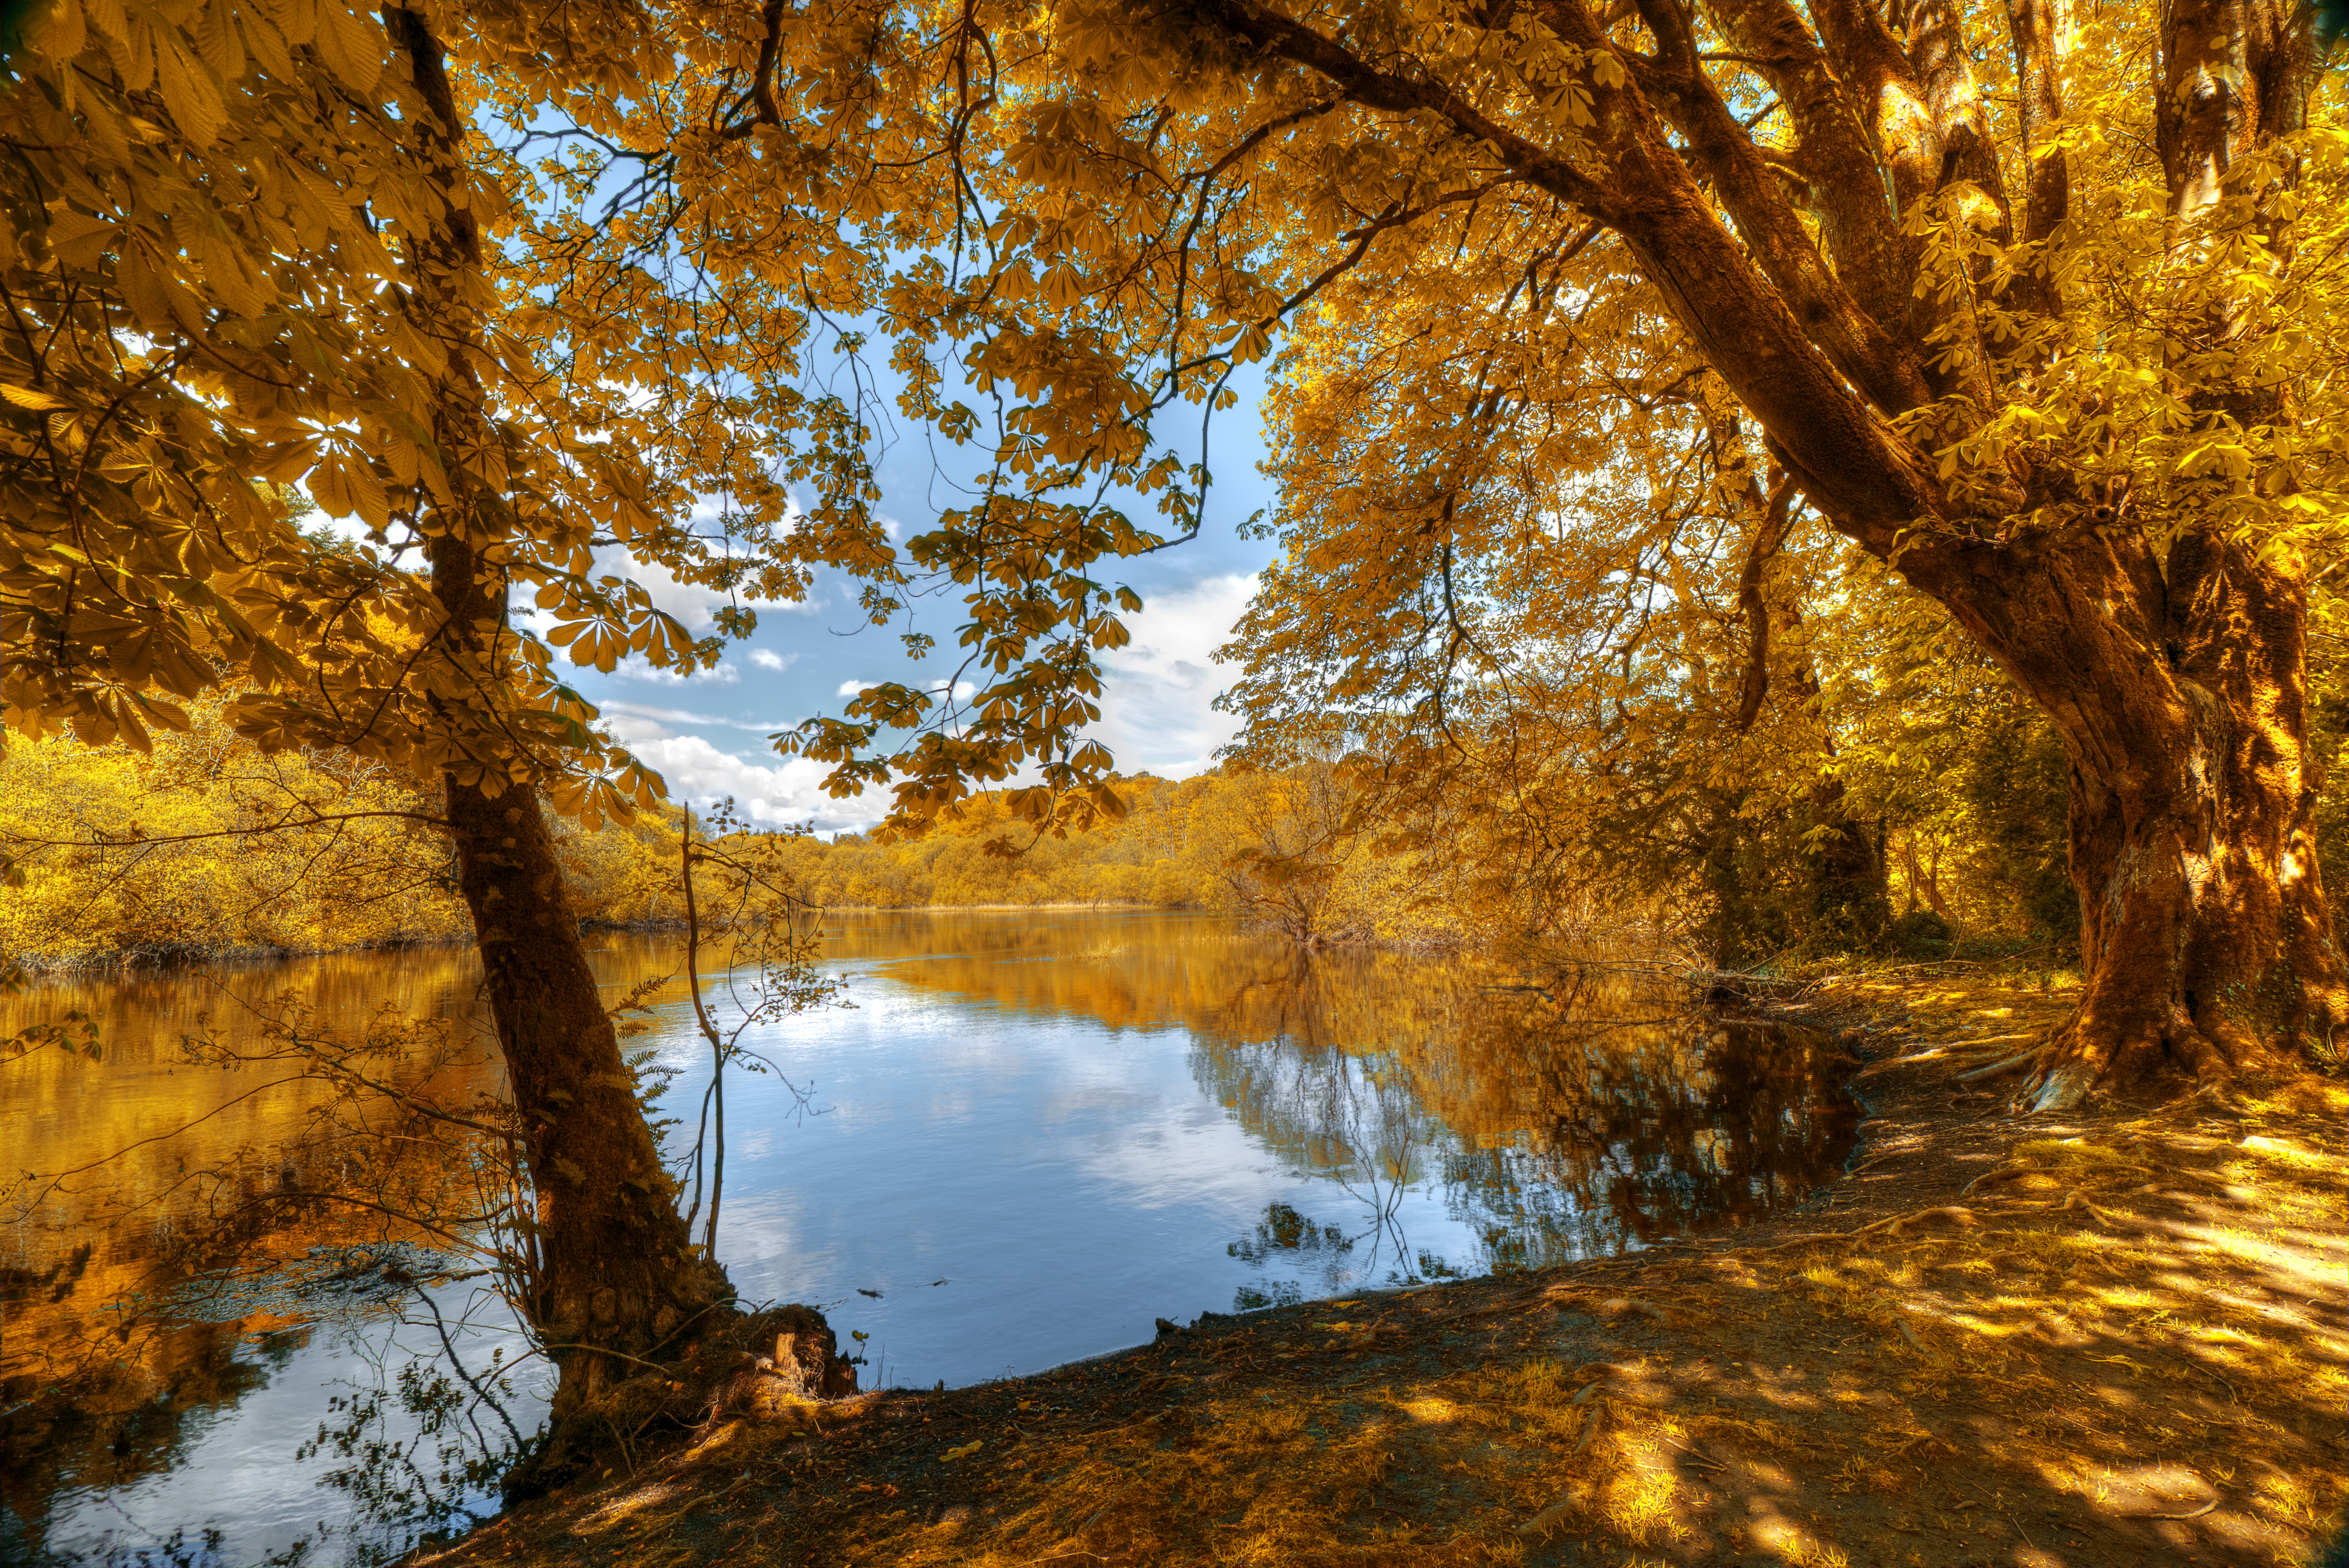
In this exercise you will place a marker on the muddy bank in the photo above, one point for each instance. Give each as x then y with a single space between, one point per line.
2116 1338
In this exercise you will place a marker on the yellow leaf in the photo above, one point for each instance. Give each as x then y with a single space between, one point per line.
330 489
217 42
76 238
60 33
188 91
26 397
352 49
143 289
368 498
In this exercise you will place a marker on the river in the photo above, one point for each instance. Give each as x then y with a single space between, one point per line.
1015 1138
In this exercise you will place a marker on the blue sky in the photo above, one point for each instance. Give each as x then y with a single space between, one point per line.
707 733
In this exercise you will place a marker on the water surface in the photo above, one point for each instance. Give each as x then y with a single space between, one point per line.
1028 1135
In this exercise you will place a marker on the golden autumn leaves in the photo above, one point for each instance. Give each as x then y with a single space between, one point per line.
721 244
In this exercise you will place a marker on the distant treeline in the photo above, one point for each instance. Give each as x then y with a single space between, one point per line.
205 847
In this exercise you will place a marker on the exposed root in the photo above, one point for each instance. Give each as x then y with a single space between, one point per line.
1542 1523
1590 1430
2004 1173
2013 1064
1626 1307
2196 1514
2065 1087
1950 1214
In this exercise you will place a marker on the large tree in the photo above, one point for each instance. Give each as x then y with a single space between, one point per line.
2080 421
2062 356
244 245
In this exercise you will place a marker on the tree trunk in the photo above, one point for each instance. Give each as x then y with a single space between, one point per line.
2179 689
616 1275
1848 899
616 1268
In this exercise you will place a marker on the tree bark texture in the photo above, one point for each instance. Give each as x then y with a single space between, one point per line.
617 1271
2178 688
617 1279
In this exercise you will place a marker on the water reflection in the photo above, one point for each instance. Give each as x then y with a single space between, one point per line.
185 1213
1573 1113
1037 1131
1597 1110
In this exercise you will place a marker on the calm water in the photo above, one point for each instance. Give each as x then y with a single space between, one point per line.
1027 1137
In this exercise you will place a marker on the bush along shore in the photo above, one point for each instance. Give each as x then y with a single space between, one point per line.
2114 1337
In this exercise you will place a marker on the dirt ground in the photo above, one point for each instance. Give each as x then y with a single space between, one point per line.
2117 1338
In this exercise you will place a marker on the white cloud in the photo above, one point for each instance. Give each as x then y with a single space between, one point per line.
725 672
634 667
695 604
850 688
791 790
649 719
1154 702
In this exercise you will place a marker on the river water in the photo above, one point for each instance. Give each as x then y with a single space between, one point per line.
1023 1137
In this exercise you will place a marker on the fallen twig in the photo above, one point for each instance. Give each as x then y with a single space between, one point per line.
2196 1514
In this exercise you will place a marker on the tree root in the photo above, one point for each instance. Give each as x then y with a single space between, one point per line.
1952 1214
1961 1217
1629 1307
2003 1173
2064 1087
2196 1514
780 1368
1548 1519
2012 1064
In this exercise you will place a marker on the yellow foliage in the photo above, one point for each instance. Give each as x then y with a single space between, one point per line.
1283 848
204 845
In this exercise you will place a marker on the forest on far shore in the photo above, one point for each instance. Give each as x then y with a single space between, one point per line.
207 847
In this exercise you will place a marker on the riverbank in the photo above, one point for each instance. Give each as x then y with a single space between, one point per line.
2108 1339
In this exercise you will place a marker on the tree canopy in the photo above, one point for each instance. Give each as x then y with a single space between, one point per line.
1637 358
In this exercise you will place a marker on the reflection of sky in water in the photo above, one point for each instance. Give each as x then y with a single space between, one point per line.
1032 1135
236 1470
1066 1179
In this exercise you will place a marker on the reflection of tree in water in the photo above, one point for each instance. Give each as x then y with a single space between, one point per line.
224 1181
1293 1059
122 1420
1583 1138
1571 1119
1285 1236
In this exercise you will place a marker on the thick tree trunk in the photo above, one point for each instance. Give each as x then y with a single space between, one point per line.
617 1269
616 1277
2179 690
